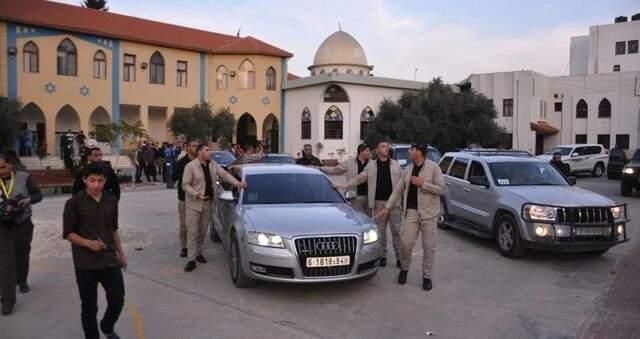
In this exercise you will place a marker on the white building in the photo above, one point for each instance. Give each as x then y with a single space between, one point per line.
329 108
599 102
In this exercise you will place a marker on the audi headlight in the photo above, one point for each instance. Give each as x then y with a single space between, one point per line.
265 239
627 170
538 213
617 212
370 236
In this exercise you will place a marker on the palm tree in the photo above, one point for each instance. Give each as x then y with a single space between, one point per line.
96 4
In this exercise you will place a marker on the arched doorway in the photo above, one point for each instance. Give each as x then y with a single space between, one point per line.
67 123
34 128
99 120
246 133
270 133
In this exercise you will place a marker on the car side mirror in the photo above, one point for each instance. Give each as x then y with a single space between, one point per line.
227 196
575 154
479 181
572 180
350 195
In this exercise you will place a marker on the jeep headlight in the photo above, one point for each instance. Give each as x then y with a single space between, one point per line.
627 170
618 212
265 239
531 212
370 236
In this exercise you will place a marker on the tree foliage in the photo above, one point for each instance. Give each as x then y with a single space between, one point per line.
437 116
201 123
9 122
127 131
96 4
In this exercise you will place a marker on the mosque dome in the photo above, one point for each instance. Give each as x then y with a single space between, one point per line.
340 49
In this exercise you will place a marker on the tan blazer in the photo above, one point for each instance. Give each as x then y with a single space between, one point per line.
193 182
428 195
370 176
349 166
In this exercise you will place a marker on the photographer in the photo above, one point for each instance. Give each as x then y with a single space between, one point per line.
17 194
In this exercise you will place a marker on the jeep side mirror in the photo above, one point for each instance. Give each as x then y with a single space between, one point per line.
479 181
227 196
350 195
572 180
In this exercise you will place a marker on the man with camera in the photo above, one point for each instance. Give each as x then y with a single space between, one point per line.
17 193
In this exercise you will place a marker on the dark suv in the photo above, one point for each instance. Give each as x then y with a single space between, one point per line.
631 176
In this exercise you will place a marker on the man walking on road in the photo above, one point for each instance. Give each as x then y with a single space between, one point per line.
176 176
90 223
17 193
381 176
421 188
307 158
198 182
111 184
352 167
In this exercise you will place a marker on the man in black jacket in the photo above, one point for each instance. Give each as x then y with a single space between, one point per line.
563 168
176 176
307 158
111 185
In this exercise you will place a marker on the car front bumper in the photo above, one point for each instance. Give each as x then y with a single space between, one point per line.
575 243
283 265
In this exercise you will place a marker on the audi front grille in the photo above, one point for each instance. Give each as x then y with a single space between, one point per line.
326 247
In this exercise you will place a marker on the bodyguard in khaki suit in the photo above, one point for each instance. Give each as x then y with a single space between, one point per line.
421 188
199 184
352 167
381 176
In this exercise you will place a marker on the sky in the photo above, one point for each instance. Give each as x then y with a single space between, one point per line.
449 39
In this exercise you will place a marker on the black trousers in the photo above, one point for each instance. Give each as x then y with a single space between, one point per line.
150 171
113 285
7 264
24 235
138 173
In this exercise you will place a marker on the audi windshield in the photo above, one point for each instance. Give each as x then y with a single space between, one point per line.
526 174
289 188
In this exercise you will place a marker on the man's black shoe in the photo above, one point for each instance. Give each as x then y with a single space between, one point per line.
383 262
402 277
191 265
183 253
201 259
113 335
7 309
398 264
23 288
426 284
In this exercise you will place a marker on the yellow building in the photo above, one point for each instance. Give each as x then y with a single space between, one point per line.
73 67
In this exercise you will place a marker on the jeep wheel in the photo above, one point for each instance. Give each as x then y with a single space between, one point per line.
215 237
598 170
508 238
444 216
625 189
235 266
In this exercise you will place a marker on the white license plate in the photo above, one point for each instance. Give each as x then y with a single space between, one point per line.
329 261
589 231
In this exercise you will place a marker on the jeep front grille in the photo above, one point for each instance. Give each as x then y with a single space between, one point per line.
309 248
584 215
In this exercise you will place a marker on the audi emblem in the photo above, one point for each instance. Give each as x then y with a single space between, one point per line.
328 246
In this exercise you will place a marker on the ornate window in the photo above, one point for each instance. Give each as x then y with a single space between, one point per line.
100 65
67 59
335 71
247 75
335 93
305 124
582 110
181 77
222 78
349 71
322 71
271 79
129 69
333 123
30 59
604 109
365 118
156 69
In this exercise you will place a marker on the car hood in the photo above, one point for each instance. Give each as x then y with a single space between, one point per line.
566 196
634 163
307 219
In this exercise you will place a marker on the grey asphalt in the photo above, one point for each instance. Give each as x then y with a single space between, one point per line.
477 292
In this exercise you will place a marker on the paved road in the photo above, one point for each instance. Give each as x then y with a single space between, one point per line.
477 293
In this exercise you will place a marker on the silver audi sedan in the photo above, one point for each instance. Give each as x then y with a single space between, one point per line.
291 225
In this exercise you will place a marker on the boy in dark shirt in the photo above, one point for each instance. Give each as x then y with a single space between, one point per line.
90 223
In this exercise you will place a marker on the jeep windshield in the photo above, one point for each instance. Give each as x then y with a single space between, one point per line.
564 151
526 174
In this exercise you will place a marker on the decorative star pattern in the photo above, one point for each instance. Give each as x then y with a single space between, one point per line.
84 90
233 100
49 88
266 100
